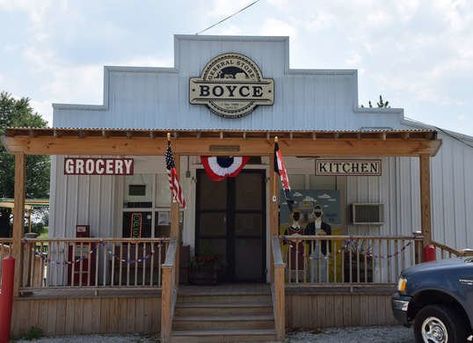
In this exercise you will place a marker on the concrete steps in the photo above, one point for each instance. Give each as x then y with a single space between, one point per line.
219 316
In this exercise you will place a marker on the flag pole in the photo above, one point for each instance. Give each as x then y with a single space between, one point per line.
275 184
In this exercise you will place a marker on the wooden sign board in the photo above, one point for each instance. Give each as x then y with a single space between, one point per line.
355 167
231 85
98 166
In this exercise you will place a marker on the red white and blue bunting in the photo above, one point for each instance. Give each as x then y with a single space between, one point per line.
220 167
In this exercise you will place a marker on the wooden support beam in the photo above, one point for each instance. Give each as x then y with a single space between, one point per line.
18 218
145 146
273 208
425 206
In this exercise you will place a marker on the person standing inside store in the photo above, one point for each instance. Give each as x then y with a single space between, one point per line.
320 249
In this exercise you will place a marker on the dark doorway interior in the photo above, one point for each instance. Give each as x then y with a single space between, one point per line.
231 223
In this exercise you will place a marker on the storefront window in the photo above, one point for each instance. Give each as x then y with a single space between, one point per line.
146 206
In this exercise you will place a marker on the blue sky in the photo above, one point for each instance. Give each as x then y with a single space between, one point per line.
418 54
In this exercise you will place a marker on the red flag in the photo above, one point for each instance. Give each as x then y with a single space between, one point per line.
174 185
280 168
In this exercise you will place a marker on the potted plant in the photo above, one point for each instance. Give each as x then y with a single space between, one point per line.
204 270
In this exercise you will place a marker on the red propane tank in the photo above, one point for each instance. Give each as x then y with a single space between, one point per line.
429 253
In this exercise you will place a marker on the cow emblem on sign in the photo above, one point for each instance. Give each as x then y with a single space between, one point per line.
232 86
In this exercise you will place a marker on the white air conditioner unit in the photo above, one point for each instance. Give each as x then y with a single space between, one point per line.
367 213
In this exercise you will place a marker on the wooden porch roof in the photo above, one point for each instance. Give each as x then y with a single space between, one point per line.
110 141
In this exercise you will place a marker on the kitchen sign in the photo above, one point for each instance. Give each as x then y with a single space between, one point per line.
231 85
98 166
370 167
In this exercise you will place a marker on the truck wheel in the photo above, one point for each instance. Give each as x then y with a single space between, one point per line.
439 324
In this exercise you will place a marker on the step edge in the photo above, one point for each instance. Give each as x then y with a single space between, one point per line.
222 305
245 318
249 332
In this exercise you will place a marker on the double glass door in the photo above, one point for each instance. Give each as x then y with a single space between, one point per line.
230 224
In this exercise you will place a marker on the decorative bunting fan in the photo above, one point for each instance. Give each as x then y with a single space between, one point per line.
220 167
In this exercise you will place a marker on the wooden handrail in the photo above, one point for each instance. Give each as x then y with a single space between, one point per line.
170 255
278 289
168 291
456 252
277 255
344 237
96 240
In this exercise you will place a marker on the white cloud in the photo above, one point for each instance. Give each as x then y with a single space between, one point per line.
44 108
223 8
417 53
277 27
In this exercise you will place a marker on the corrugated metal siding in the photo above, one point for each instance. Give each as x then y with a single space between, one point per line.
310 100
96 200
158 98
81 200
452 193
397 189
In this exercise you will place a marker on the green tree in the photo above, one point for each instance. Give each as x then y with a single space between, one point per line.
18 113
381 103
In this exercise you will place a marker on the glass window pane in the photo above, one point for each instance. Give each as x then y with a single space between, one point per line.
248 259
212 224
141 199
137 224
248 224
248 191
213 195
163 194
213 247
162 223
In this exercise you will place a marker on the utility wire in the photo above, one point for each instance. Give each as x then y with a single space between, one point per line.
461 140
230 16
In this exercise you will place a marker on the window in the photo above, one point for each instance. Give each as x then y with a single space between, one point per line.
146 206
136 190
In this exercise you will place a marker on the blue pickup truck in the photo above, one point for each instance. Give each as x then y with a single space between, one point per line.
436 298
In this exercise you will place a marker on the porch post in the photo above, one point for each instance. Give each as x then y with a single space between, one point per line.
175 231
273 210
425 208
18 218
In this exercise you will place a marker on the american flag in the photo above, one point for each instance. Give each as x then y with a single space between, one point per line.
280 169
174 185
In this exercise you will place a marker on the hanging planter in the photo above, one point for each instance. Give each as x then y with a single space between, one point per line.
218 168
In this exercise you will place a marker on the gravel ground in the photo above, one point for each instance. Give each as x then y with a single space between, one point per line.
394 334
384 334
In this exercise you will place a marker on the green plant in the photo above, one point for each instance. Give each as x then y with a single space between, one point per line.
33 333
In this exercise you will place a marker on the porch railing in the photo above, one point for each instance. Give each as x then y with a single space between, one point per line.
93 262
444 251
348 260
